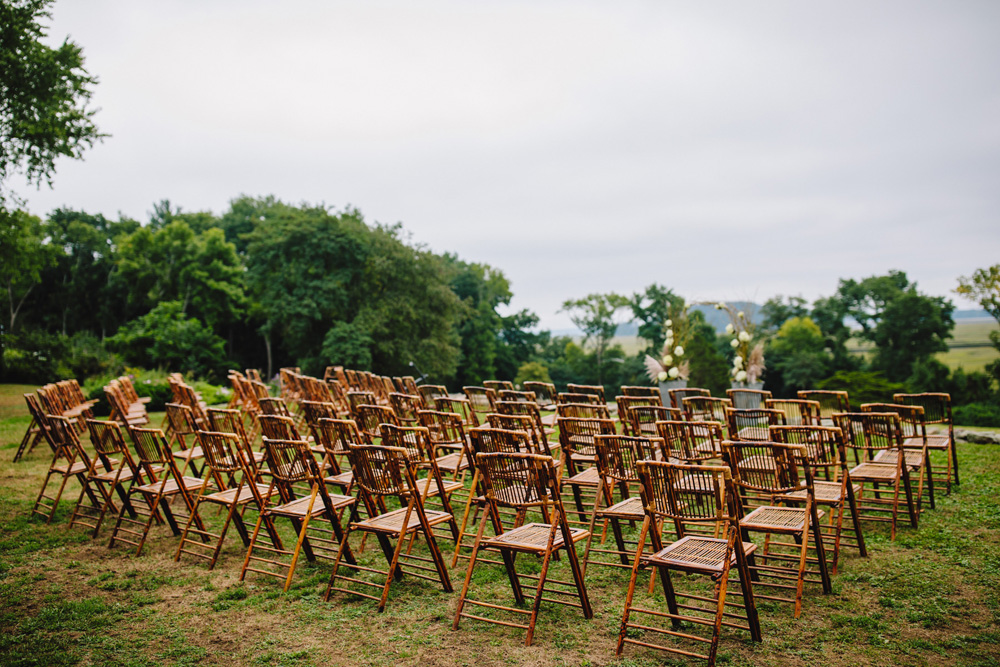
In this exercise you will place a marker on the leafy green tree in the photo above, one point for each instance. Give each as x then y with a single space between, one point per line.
518 343
44 96
24 254
346 344
829 314
983 286
482 289
779 309
707 365
166 338
796 357
596 315
652 308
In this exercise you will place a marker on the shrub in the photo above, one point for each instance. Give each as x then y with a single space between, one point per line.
977 414
862 386
32 356
532 371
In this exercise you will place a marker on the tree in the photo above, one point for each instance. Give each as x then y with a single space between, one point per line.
708 367
44 97
983 286
23 257
652 308
482 289
595 315
904 325
778 310
797 357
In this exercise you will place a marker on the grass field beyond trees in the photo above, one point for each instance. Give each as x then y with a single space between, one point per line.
932 597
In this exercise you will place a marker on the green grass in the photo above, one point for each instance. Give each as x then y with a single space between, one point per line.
932 597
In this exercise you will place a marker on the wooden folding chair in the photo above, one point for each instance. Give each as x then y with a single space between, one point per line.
913 427
110 469
633 390
336 436
370 418
690 442
867 434
429 393
618 498
38 429
705 408
545 393
406 406
230 421
291 464
498 385
830 402
594 389
460 407
240 489
481 400
382 472
68 460
525 483
825 455
709 503
182 427
766 474
644 418
575 398
522 408
752 424
166 481
797 411
576 438
937 410
678 395
626 403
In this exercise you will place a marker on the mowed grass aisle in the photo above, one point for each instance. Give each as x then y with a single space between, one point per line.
930 598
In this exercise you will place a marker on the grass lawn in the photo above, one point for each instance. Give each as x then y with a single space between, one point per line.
932 597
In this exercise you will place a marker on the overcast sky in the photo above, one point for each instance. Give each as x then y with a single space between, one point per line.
729 150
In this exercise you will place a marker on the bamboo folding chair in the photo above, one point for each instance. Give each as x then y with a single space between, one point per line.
291 464
498 385
830 402
710 503
406 406
240 489
370 418
447 434
183 426
68 460
576 439
678 395
825 454
618 498
582 410
382 472
358 398
158 464
429 393
460 407
488 439
937 410
867 434
766 474
595 389
336 436
651 392
230 421
567 397
626 403
121 410
513 395
416 441
38 429
752 424
545 393
690 442
527 424
481 400
110 469
644 418
531 410
797 411
705 408
914 431
524 483
748 399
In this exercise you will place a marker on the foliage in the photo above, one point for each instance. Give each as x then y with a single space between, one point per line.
797 356
977 414
519 343
347 345
748 360
708 367
165 338
44 96
983 286
904 325
482 289
863 386
779 309
673 362
532 371
33 356
596 316
23 257
652 308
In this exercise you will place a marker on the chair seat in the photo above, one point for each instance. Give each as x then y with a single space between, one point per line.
694 552
913 458
533 537
589 477
827 493
630 508
453 462
432 490
172 487
392 522
776 519
77 468
126 475
188 454
300 506
874 472
342 479
246 495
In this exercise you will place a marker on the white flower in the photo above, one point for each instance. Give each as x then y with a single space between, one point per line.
662 376
744 336
720 306
674 373
670 337
729 329
735 343
741 315
670 323
667 360
741 376
737 363
679 351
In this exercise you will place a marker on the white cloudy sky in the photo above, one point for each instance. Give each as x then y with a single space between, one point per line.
729 150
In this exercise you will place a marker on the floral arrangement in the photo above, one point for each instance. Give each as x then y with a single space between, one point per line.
671 365
748 363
